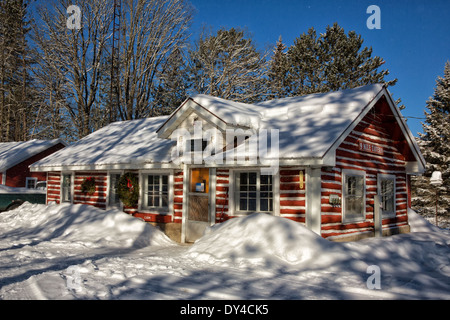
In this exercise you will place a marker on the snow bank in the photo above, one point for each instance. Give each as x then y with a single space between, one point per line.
80 252
262 239
78 223
419 224
258 238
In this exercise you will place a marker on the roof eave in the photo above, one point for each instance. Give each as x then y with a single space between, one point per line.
166 129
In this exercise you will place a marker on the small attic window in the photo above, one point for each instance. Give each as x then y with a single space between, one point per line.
236 140
194 145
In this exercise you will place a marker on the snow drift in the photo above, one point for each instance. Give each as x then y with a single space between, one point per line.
80 224
258 238
81 252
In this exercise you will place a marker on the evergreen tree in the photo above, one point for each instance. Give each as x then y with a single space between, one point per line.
435 147
346 64
306 59
331 61
277 75
228 65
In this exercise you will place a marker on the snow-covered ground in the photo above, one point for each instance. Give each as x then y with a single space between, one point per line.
80 252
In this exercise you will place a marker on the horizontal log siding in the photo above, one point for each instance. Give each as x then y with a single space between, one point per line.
348 156
99 197
292 195
222 194
178 196
54 187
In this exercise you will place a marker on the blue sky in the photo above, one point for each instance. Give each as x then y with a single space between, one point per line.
414 38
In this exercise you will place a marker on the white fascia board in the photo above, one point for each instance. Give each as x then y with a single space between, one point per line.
414 168
302 162
59 140
100 167
420 163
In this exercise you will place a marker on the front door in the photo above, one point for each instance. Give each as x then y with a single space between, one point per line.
198 216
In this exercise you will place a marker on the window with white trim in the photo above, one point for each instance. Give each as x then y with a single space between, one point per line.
254 192
30 183
354 196
386 191
156 191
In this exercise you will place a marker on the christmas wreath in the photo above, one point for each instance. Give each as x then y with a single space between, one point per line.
128 189
88 185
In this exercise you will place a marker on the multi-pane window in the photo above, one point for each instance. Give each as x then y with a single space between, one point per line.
354 197
157 191
386 187
254 192
31 183
196 144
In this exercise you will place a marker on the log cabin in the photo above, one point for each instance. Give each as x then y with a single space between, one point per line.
338 163
16 157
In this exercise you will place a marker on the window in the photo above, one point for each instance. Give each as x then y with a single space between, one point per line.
30 183
354 196
66 188
199 180
156 191
113 200
254 192
195 145
386 190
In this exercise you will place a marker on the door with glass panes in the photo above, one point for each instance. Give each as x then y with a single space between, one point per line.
198 211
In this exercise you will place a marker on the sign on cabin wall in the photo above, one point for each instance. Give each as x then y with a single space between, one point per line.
369 147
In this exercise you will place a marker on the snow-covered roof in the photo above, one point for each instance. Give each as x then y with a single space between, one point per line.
12 153
231 112
305 112
123 142
308 127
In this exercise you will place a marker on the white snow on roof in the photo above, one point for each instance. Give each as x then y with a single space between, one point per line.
233 113
12 153
307 125
123 142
